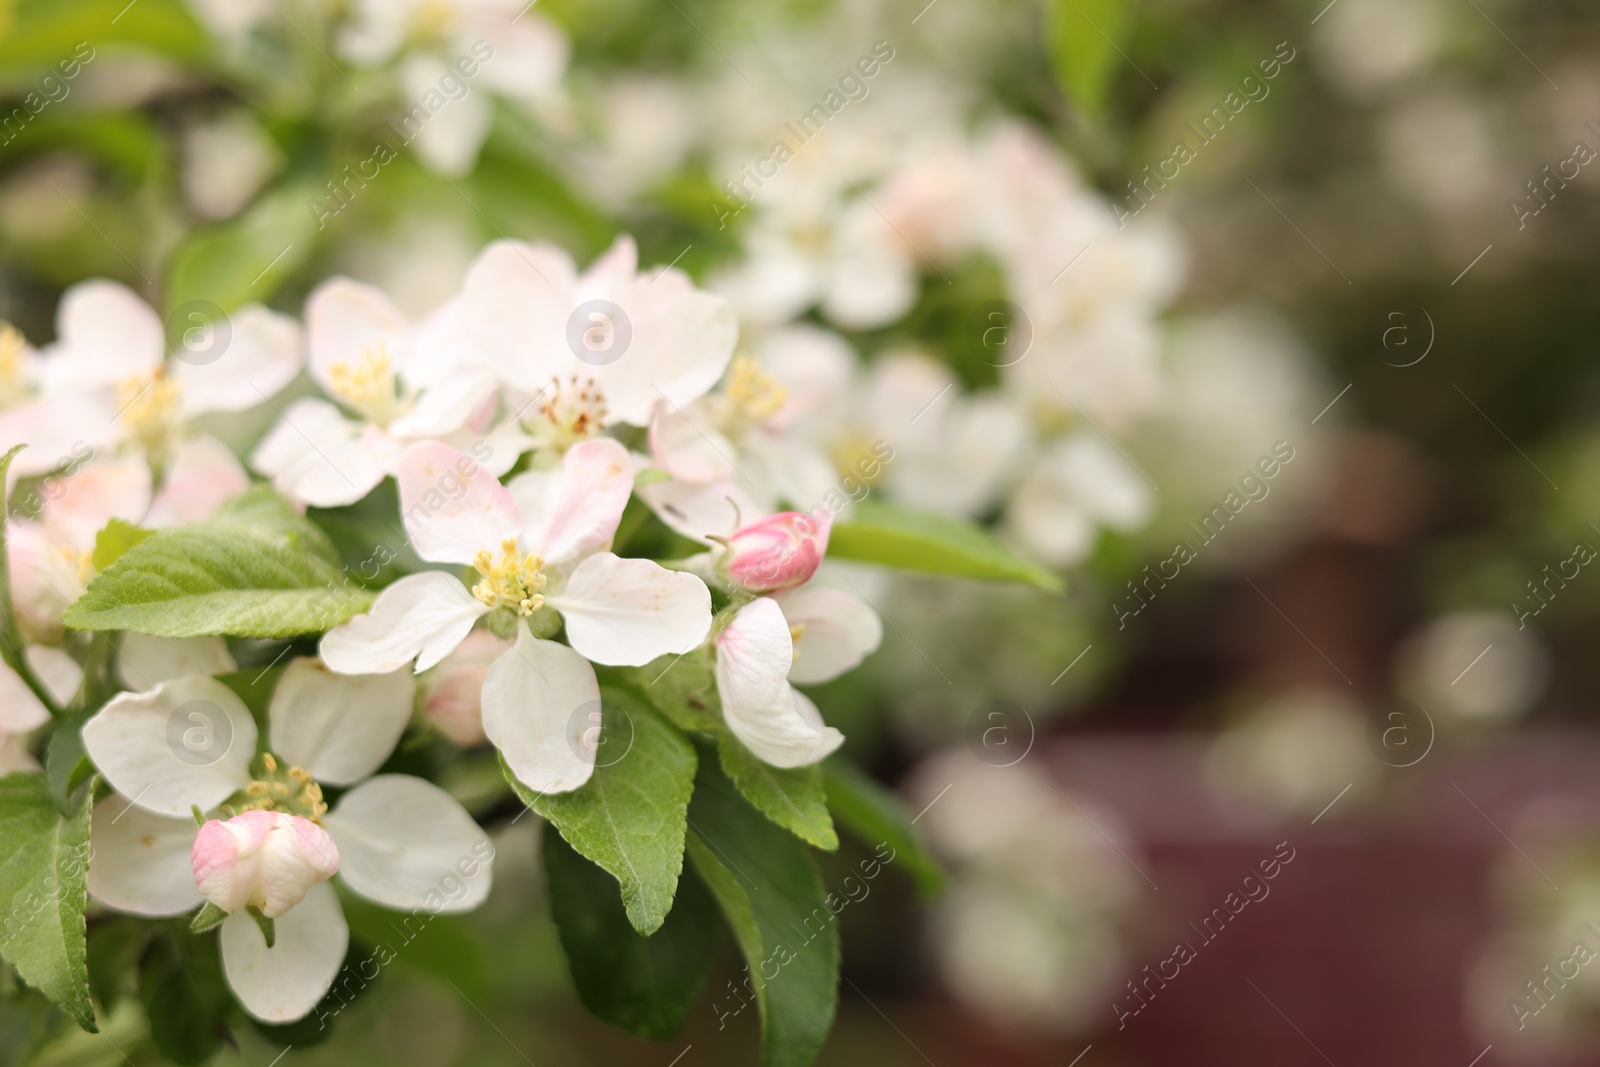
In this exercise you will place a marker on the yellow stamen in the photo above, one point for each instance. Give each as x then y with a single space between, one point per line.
752 393
514 582
287 789
149 407
367 387
796 632
573 412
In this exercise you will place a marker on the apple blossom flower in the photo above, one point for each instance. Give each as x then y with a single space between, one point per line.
271 842
402 383
597 349
538 546
112 345
1073 487
22 712
267 860
53 426
779 551
808 635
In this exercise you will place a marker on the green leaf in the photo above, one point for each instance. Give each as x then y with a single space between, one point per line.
876 817
246 259
645 985
255 570
772 895
683 688
209 917
45 32
44 870
791 797
185 995
1085 38
66 764
112 542
630 817
448 946
933 544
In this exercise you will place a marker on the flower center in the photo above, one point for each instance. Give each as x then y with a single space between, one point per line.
433 20
286 789
751 394
367 387
572 412
13 387
796 632
514 582
149 407
853 454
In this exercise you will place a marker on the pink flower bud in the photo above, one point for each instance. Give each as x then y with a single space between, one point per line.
452 691
265 858
780 551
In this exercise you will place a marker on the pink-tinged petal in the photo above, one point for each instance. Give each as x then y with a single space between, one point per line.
531 53
789 732
569 513
518 298
262 859
186 742
452 692
453 508
78 506
449 143
346 322
833 630
265 350
422 616
60 431
317 456
626 612
44 581
754 653
105 335
537 703
779 551
145 662
406 843
139 861
340 727
283 983
202 475
700 512
689 449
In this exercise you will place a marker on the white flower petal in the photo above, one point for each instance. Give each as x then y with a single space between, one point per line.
453 508
787 733
626 612
78 506
58 430
444 408
202 475
346 322
697 511
139 861
406 844
186 742
449 141
20 710
754 654
570 512
833 630
340 727
56 668
518 299
421 615
106 335
532 699
265 350
144 662
688 452
316 455
283 983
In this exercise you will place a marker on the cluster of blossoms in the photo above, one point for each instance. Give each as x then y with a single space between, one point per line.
507 434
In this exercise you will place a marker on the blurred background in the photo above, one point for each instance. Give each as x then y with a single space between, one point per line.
1268 325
